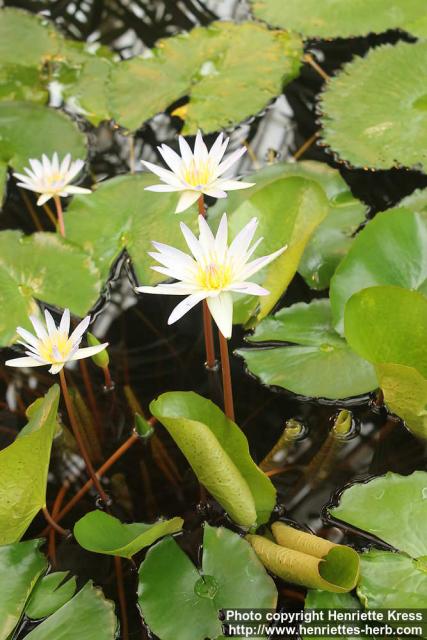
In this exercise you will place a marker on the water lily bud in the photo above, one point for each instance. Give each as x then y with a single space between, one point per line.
343 423
101 359
143 427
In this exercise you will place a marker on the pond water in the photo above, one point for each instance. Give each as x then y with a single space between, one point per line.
149 357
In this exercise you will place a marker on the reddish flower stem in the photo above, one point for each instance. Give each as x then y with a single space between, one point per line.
226 377
124 627
79 439
59 213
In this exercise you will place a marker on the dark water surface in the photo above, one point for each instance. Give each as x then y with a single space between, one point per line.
150 357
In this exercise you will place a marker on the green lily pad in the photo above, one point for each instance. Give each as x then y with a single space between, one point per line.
332 238
332 19
51 592
405 394
231 577
317 599
26 38
319 363
84 75
121 214
20 566
218 453
374 110
392 507
391 581
44 267
387 326
28 130
21 83
101 533
390 250
87 616
229 71
24 466
289 209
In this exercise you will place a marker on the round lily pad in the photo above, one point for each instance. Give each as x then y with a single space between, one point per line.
28 130
26 38
390 250
391 581
229 71
392 507
319 363
42 267
232 577
375 109
337 19
121 214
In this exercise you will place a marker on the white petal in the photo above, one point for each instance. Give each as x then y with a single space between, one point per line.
217 150
51 326
221 238
174 289
47 168
56 368
22 176
44 198
74 169
186 305
64 325
164 188
260 263
214 193
230 160
221 308
29 337
171 158
233 185
206 239
36 166
192 242
72 188
78 332
250 288
164 174
200 150
87 352
26 185
65 164
187 199
241 242
23 362
186 152
38 328
55 163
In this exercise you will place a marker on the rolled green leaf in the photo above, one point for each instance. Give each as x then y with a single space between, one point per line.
101 533
308 560
218 453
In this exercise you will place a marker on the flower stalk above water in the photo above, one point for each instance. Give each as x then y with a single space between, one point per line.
212 272
197 173
51 179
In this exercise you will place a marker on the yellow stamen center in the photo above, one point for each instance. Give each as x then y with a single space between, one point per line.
197 175
55 349
214 276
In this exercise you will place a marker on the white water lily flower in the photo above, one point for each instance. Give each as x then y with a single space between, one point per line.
212 272
197 173
52 345
51 178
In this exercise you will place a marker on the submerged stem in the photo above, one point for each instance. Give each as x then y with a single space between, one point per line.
122 597
226 377
59 213
79 439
